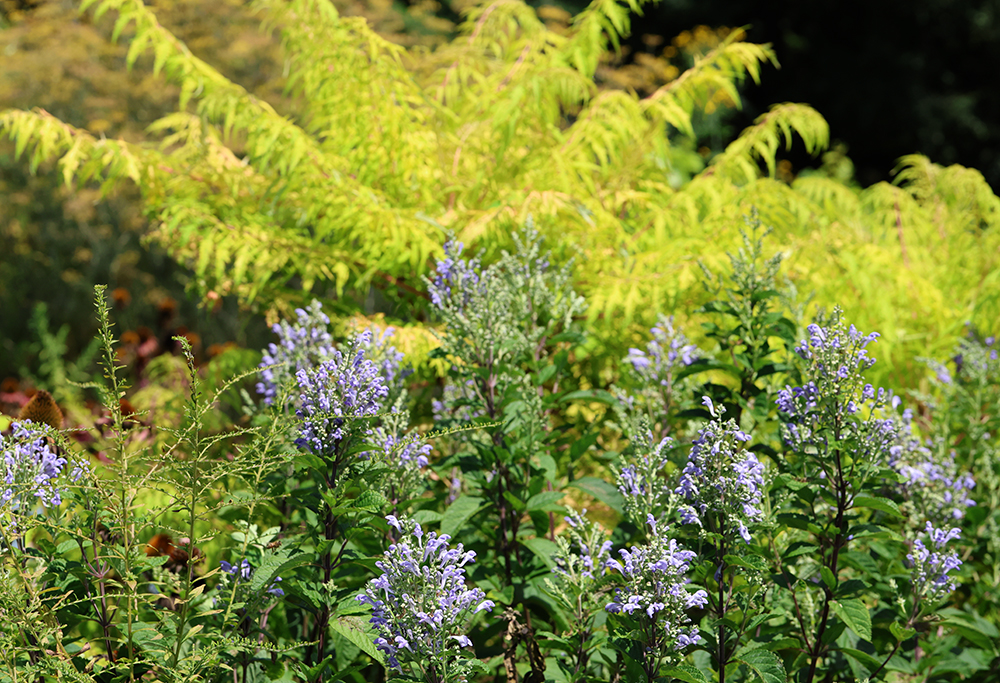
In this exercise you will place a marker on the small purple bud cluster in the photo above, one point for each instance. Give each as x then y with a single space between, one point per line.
668 350
242 574
655 592
721 478
583 557
33 470
930 566
931 480
346 386
458 402
301 346
388 359
421 606
643 482
456 279
404 455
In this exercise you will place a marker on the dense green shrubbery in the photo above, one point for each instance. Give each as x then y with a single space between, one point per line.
772 513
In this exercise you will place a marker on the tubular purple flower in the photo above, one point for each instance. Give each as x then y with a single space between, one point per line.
301 345
31 471
721 478
655 589
421 597
930 568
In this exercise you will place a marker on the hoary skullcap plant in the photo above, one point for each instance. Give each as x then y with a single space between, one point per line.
390 146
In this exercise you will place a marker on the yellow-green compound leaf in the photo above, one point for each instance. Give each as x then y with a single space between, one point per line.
764 664
857 617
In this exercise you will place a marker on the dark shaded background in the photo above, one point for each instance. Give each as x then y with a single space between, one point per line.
892 77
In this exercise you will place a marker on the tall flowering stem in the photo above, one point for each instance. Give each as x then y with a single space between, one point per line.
643 482
654 370
580 580
337 400
834 434
722 486
930 582
301 345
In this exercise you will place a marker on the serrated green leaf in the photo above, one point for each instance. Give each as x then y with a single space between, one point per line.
901 633
686 673
764 664
359 632
855 614
863 658
602 491
544 549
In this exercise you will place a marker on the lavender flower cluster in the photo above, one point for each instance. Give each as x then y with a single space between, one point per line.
668 349
581 558
346 386
421 605
307 344
456 279
721 479
33 470
931 566
243 573
300 346
387 358
931 478
643 482
834 394
655 593
403 455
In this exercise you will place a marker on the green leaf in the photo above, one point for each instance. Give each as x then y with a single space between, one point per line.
799 548
901 633
828 578
275 565
514 501
371 500
686 673
458 513
764 664
863 658
594 395
850 586
602 491
359 632
877 503
855 614
544 549
546 501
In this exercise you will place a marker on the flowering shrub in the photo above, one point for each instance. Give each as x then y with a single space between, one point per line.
776 516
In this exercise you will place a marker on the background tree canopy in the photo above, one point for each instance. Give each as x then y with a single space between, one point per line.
336 164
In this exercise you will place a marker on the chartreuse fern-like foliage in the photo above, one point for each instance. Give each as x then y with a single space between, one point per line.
391 147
